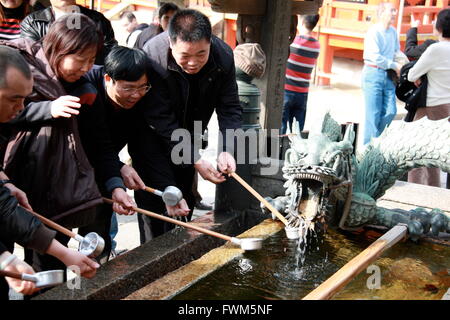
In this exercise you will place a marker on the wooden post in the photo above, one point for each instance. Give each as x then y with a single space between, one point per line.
344 275
275 43
400 17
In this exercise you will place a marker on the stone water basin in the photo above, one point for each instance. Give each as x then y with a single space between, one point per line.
278 271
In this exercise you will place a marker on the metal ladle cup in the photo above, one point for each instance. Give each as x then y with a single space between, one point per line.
42 279
91 245
171 195
248 244
292 233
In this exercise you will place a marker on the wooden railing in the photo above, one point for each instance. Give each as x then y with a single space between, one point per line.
106 5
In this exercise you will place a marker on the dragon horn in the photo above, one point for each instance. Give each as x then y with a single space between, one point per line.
349 133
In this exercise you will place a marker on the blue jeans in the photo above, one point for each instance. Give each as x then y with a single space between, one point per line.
114 230
379 97
294 106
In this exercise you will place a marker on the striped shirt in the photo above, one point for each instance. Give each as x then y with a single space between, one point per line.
9 29
302 59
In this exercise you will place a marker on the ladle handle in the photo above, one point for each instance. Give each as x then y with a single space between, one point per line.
11 274
259 197
178 222
154 191
54 225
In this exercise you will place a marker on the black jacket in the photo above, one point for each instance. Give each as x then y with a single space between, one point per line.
36 24
217 86
17 225
412 49
125 126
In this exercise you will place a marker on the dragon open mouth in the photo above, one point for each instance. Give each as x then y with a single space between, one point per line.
312 186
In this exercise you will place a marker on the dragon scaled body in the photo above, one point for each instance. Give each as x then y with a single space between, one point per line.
327 184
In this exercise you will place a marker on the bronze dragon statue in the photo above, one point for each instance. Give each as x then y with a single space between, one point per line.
328 185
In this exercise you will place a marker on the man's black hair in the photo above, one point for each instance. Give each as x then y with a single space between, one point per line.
310 21
11 58
124 63
443 22
189 26
166 7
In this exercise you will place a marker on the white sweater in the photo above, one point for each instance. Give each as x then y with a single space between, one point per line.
435 63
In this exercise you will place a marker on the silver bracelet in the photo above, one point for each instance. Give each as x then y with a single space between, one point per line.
7 261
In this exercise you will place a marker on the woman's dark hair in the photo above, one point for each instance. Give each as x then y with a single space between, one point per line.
189 26
124 63
166 7
310 21
443 23
70 34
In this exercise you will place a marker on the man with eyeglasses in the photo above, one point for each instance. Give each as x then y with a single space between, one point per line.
381 44
126 86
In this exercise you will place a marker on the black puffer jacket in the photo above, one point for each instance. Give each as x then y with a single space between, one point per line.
217 85
36 24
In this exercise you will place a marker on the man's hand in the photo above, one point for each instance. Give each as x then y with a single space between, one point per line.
20 196
417 82
179 210
65 107
122 202
414 23
131 179
19 266
207 171
88 267
226 163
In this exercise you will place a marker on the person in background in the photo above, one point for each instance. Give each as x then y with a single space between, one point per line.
12 12
165 12
36 24
380 47
16 224
302 59
129 22
435 63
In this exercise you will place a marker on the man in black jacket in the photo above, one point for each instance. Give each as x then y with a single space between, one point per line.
131 96
36 24
200 73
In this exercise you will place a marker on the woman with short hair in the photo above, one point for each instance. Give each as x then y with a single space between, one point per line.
46 155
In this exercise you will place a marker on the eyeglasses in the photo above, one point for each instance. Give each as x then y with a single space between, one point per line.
131 91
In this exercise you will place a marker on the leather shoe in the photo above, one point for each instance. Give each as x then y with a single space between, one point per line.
202 206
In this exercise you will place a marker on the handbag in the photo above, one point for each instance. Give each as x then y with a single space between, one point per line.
406 91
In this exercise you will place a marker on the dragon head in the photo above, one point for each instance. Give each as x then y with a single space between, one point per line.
315 169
